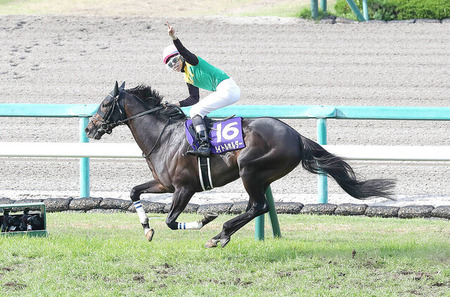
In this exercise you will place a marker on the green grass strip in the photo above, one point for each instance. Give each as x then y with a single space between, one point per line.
107 255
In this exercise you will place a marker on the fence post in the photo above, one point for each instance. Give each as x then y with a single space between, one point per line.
365 10
259 221
273 213
322 179
323 5
356 10
84 162
259 227
314 9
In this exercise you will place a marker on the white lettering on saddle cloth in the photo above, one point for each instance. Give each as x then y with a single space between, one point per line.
225 136
231 146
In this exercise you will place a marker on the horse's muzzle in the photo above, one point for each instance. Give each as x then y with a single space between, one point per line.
93 132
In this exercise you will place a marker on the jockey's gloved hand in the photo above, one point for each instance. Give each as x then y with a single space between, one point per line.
167 104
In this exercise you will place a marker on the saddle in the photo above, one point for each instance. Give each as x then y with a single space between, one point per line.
225 134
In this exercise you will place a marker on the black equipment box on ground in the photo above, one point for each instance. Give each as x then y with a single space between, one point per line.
23 219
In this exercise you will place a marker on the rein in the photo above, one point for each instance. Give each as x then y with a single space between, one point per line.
121 122
157 140
107 126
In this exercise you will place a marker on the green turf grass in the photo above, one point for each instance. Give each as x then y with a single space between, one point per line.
107 255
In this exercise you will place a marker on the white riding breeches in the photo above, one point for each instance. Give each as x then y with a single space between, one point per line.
227 93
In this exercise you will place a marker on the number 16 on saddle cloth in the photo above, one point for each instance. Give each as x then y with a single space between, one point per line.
225 135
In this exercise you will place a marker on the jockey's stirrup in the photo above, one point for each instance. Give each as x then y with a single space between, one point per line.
201 136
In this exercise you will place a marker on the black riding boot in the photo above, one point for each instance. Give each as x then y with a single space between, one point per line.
201 136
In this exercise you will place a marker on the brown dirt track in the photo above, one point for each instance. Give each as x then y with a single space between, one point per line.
74 59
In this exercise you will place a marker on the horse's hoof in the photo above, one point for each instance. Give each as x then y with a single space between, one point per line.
211 216
212 243
149 234
208 217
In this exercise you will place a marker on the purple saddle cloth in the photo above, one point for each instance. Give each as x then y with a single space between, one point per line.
225 136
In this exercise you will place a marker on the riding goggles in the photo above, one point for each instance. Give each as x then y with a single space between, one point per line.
174 62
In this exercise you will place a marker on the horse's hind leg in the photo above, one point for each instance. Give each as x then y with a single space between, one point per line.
233 225
257 207
257 173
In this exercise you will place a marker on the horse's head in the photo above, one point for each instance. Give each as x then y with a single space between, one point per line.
108 115
111 111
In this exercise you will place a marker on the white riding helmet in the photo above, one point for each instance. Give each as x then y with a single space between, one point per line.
169 52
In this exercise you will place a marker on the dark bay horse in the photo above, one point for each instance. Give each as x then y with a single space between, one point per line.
273 149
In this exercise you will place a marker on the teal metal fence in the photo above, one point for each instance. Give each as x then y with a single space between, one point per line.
354 7
321 113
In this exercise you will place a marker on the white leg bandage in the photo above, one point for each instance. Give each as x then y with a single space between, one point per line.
141 212
190 226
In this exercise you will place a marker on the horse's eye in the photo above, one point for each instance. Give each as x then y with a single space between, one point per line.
106 104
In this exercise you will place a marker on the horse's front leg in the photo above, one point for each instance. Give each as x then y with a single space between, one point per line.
150 187
181 198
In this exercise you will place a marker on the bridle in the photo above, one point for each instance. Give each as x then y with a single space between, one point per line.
106 124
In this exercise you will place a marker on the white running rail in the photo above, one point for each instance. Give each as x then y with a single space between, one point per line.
131 150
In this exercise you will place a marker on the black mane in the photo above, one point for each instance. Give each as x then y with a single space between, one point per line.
147 94
153 99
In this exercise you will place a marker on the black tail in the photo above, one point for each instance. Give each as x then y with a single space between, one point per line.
317 160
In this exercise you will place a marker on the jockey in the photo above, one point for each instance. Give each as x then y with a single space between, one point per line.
200 74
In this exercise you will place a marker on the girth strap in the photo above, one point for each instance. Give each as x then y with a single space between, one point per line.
204 168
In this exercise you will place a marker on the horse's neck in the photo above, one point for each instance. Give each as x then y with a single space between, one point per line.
150 133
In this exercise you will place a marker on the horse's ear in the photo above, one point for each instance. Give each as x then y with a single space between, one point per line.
116 89
122 86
